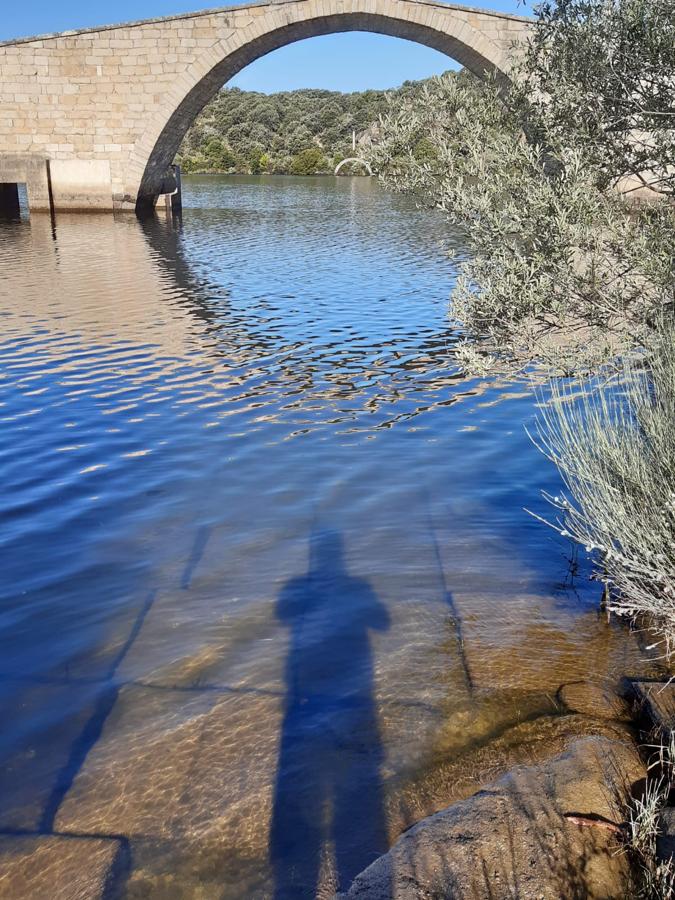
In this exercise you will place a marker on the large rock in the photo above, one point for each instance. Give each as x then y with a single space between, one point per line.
59 868
512 840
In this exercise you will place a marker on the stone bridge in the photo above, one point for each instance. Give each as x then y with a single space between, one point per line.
92 119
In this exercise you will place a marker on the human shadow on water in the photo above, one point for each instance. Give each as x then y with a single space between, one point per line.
328 789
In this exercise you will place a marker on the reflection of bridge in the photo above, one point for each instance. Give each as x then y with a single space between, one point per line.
354 159
93 118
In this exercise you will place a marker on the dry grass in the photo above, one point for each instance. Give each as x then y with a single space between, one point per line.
614 445
656 876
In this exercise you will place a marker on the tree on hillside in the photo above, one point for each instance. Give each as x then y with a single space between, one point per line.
309 162
218 155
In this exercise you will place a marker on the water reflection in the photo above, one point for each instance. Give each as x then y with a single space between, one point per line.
330 753
317 368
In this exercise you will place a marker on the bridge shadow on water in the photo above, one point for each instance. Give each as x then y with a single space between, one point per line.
328 793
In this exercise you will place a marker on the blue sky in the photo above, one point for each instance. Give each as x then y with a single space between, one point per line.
341 62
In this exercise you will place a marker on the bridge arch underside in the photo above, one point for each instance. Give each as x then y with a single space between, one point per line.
478 55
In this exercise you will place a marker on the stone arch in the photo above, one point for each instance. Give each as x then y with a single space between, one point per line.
425 23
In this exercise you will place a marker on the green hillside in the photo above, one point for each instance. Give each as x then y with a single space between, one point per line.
293 132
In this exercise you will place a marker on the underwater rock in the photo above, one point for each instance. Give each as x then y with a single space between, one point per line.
460 776
594 700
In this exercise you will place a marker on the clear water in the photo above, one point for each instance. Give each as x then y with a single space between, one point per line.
265 556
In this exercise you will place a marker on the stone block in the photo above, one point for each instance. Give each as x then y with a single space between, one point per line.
81 184
48 867
181 763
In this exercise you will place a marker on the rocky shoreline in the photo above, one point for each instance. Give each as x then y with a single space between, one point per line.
548 830
513 838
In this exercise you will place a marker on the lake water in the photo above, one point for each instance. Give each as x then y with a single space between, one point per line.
269 591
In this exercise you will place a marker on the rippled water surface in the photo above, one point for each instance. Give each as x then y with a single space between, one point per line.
266 567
